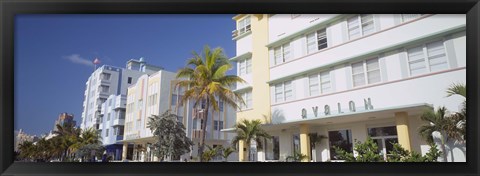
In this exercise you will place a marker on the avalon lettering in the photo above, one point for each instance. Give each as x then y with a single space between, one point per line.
351 107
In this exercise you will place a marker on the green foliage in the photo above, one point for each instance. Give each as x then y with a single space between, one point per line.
250 130
433 154
210 153
171 138
296 157
206 80
399 154
366 152
226 151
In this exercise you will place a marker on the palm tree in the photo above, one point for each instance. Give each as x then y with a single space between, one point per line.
26 150
248 131
461 117
69 136
210 153
314 140
206 81
227 152
440 122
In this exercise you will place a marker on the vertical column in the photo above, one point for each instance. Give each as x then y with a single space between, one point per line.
241 153
401 120
305 142
124 151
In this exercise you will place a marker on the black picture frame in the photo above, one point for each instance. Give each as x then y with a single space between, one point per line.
10 8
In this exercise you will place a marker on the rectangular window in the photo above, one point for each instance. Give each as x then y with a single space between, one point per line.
284 91
244 25
220 125
341 139
358 74
108 117
215 125
107 132
288 90
373 71
105 89
416 61
370 67
360 25
282 54
296 143
245 67
384 137
129 81
105 76
408 17
436 56
313 85
317 41
279 92
367 24
249 65
430 57
242 68
247 97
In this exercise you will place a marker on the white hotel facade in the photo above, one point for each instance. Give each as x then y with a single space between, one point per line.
347 77
104 100
156 93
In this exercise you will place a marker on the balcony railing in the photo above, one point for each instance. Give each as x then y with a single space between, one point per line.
236 33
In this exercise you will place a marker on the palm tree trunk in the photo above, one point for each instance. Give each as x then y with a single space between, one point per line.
444 151
247 144
314 153
204 127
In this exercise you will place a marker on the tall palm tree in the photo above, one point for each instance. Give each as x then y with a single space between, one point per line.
314 140
438 121
248 131
206 82
461 117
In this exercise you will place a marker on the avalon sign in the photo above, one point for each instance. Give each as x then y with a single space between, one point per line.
326 109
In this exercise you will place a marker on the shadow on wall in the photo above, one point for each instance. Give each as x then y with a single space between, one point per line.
277 116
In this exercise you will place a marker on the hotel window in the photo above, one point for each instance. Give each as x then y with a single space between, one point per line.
244 25
282 54
217 125
371 67
384 137
319 82
360 25
105 76
105 89
247 97
108 117
341 139
245 66
408 17
129 81
283 91
296 143
430 57
106 132
316 41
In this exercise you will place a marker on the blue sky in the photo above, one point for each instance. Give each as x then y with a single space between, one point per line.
53 55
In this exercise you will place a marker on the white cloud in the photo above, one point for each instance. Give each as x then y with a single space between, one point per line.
76 59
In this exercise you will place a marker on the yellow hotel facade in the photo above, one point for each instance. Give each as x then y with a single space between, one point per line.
347 77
